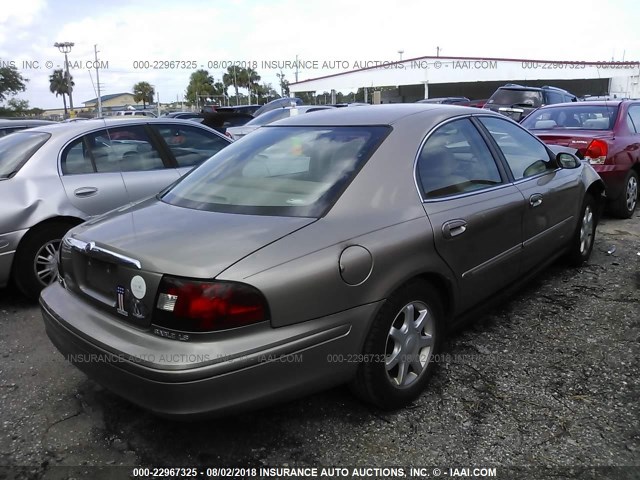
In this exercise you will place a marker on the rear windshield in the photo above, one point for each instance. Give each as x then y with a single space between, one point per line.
283 171
269 117
516 98
17 148
583 117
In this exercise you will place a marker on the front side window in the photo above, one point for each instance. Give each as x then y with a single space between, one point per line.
285 171
455 159
525 155
191 145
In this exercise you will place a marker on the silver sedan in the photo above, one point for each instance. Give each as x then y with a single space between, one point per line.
338 247
56 176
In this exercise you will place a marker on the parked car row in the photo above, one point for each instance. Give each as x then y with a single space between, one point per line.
335 247
56 176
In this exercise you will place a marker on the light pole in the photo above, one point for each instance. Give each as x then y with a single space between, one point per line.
400 52
65 47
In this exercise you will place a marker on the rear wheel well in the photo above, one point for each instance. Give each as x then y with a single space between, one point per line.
71 221
444 289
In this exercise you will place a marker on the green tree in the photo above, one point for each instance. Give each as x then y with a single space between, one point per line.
11 82
143 91
200 84
59 85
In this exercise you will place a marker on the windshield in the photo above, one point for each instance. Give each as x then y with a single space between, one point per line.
17 148
583 117
284 171
516 97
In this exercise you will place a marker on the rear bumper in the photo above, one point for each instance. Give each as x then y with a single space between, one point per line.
613 177
8 246
192 379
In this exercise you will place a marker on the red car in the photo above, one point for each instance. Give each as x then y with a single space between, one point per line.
607 134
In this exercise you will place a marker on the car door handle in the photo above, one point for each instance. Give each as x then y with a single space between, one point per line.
453 228
535 200
85 192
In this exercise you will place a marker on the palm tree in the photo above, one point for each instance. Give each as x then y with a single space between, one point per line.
231 77
143 91
251 78
60 85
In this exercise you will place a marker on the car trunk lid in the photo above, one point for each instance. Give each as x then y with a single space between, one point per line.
119 261
578 139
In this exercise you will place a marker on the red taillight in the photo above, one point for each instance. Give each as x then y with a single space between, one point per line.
195 306
596 152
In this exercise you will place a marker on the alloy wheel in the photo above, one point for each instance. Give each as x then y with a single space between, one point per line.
409 345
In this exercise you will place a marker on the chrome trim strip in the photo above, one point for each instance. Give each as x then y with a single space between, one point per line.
540 235
492 261
93 250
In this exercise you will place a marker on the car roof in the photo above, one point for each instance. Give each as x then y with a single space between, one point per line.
24 121
386 114
596 103
94 124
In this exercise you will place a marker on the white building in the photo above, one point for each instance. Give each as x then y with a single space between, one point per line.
476 78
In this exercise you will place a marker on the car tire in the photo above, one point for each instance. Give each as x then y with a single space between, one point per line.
35 265
585 234
626 204
396 335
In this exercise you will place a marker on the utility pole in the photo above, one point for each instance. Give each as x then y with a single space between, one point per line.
296 68
95 51
437 51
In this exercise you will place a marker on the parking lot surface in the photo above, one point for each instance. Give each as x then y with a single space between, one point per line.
550 379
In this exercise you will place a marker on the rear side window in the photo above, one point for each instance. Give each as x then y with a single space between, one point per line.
191 145
121 149
554 97
17 149
525 155
455 159
634 114
283 171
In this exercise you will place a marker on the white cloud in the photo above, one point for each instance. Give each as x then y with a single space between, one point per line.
250 30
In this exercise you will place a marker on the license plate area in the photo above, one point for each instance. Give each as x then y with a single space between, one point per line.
100 280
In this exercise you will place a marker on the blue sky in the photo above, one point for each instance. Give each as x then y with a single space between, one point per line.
315 30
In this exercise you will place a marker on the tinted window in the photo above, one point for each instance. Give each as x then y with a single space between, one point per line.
585 116
191 145
17 148
525 155
455 159
554 97
289 171
505 96
634 113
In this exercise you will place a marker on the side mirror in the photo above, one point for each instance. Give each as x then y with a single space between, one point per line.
567 160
